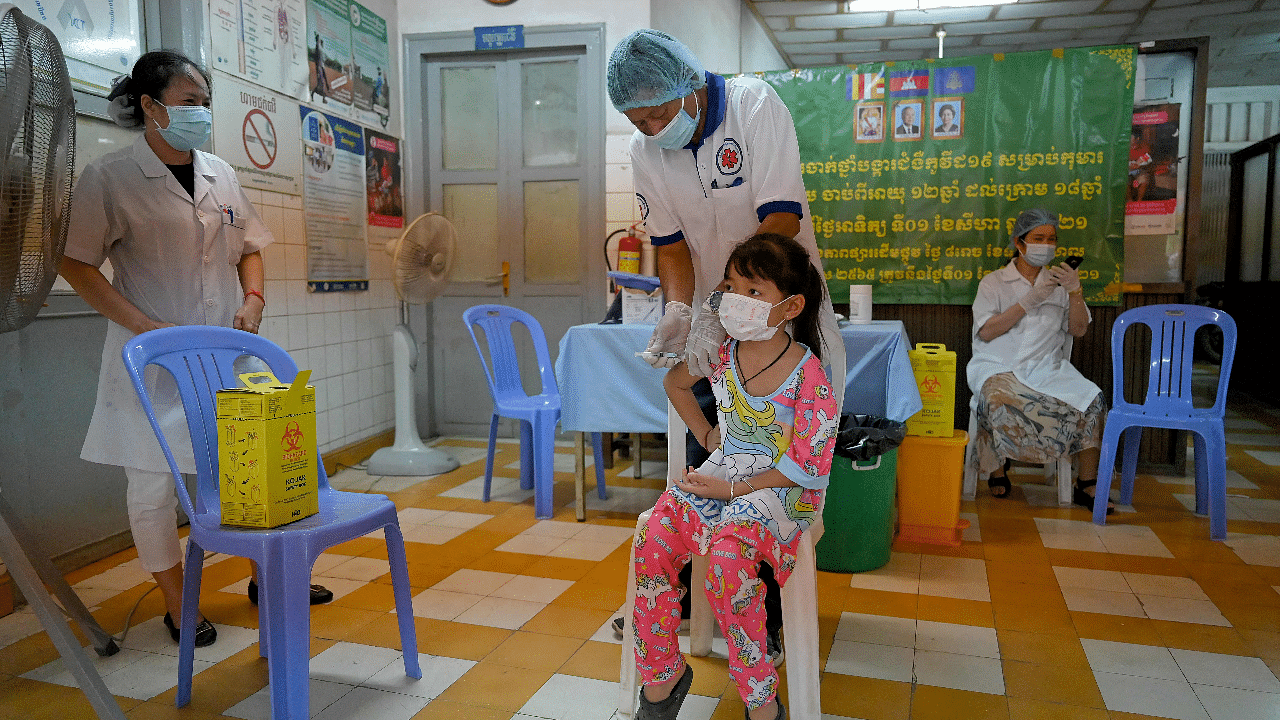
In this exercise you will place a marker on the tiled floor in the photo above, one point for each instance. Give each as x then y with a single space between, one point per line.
1038 614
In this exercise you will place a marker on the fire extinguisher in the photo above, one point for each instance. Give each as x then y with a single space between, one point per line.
629 253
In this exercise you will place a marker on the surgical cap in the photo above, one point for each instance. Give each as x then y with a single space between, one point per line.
651 68
1029 220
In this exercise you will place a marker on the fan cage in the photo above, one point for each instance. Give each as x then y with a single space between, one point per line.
37 164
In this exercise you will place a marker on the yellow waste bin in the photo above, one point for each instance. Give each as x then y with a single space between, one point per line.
930 472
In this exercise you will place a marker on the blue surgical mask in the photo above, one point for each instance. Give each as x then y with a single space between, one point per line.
680 130
189 126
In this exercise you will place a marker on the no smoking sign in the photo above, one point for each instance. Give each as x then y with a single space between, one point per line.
260 143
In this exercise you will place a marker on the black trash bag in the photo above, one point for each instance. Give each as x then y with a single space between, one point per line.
865 437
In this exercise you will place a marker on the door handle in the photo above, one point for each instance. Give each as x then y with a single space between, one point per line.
504 279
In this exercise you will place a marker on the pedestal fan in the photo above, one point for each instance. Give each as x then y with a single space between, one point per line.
422 259
37 159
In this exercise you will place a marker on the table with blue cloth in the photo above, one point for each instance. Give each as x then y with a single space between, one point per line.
604 387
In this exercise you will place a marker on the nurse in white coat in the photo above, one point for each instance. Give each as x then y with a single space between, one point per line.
715 162
185 249
1030 402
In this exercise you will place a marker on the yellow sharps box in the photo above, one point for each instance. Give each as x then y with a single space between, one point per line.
267 451
935 370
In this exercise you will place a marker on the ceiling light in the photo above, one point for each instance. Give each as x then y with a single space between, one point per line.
891 5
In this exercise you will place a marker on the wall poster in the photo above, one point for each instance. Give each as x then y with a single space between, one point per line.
334 203
382 179
261 41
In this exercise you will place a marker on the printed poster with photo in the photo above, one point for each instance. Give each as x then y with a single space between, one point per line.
334 202
1151 205
371 71
329 54
261 41
382 180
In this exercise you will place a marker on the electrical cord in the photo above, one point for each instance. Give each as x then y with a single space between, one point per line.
128 619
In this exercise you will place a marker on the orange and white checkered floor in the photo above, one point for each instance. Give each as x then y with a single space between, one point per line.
1039 614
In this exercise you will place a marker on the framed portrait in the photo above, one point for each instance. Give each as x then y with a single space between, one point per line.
947 118
868 121
906 119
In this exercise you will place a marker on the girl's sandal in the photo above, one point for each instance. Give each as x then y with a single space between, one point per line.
668 708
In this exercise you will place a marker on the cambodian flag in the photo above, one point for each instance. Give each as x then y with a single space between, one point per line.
909 83
953 80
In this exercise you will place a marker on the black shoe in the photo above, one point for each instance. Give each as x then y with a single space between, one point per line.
1084 499
319 594
206 633
1001 482
617 627
669 708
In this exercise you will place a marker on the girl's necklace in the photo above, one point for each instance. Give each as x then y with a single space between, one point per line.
775 362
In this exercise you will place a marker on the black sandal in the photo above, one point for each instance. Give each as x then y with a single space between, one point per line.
1084 499
1001 481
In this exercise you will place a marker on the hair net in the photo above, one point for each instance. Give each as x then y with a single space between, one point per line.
1029 220
650 68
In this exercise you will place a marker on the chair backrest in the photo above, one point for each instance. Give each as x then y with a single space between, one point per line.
201 360
504 374
1173 332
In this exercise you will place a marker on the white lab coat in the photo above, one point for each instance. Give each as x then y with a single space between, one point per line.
174 258
1037 349
692 196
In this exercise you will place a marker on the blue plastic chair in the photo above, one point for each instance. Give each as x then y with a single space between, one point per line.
538 414
201 361
1168 405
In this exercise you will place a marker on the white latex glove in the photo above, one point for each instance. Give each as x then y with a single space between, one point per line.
1066 277
705 337
670 335
1038 294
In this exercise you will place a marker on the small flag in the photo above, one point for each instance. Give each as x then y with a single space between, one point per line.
866 86
909 83
953 80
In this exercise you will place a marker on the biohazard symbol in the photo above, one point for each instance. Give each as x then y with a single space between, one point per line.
930 384
292 438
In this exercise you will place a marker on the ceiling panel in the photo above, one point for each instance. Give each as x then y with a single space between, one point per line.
1243 33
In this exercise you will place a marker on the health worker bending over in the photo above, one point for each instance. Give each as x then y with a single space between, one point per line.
1030 402
185 247
715 162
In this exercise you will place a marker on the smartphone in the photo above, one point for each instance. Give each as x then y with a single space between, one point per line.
1073 261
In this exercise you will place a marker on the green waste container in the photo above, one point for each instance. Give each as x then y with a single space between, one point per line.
858 514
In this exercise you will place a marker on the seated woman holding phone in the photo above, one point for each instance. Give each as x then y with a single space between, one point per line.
1030 402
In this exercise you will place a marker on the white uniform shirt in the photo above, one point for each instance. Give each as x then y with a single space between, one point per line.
1037 349
174 258
714 193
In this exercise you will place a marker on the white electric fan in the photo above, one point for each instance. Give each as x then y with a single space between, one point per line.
37 160
422 259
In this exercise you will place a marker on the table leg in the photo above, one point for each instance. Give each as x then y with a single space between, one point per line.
635 450
606 440
580 476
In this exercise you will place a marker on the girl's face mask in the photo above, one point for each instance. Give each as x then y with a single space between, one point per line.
745 318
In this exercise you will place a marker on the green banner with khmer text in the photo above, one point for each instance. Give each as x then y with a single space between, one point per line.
916 170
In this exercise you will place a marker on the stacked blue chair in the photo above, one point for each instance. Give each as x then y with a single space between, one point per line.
538 414
1168 405
201 360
